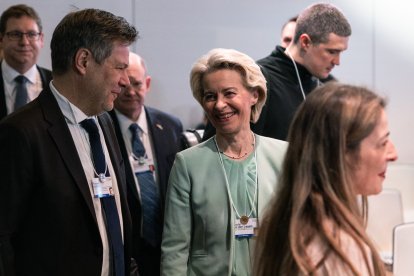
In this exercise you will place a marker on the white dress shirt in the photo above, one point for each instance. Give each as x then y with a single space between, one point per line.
124 123
34 85
74 116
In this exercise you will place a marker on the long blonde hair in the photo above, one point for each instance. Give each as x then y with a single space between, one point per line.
315 183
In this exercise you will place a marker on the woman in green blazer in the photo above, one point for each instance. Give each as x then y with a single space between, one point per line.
218 189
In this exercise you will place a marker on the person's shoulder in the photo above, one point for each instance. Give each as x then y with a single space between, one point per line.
274 66
265 60
26 118
203 149
164 116
46 72
272 142
44 69
270 59
271 150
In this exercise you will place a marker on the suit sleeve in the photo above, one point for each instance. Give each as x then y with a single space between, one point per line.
15 171
176 240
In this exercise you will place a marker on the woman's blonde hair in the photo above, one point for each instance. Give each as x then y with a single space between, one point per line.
219 58
315 184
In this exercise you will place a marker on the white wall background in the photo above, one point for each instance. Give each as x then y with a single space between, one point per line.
175 33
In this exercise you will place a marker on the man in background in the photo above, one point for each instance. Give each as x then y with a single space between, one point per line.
21 39
321 35
287 34
63 206
288 31
149 139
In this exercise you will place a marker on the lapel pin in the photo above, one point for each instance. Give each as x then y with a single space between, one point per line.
159 126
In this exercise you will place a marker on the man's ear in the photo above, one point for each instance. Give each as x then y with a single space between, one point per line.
41 40
82 59
305 41
148 82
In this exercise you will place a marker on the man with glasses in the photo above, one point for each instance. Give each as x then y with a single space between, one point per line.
21 39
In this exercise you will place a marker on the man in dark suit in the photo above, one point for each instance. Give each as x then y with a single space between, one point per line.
21 38
63 207
160 135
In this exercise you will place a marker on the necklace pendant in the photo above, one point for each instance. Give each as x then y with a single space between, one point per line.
102 177
244 220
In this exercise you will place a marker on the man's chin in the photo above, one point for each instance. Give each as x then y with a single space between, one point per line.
323 76
108 106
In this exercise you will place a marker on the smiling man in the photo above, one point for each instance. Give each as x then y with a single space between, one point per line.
321 35
63 208
21 39
160 135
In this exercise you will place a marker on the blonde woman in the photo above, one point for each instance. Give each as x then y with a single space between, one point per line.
217 189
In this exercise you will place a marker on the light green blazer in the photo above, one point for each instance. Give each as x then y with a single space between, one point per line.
199 219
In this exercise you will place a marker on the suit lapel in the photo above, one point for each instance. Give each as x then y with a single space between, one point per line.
59 132
156 128
45 76
262 191
3 108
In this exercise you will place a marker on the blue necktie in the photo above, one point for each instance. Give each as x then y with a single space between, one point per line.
108 203
21 91
150 198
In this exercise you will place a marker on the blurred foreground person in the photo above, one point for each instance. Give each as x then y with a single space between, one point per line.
339 148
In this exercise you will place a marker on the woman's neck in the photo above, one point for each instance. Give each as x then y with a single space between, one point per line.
236 146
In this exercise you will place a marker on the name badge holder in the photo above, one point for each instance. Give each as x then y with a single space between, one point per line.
245 228
141 164
102 186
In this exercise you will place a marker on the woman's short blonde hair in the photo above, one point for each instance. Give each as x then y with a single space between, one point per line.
219 58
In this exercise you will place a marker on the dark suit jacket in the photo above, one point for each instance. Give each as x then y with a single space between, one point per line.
47 219
166 133
45 75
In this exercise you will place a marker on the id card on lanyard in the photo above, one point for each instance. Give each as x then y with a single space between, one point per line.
102 187
141 164
245 229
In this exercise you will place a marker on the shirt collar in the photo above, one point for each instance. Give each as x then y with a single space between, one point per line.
9 74
125 122
71 112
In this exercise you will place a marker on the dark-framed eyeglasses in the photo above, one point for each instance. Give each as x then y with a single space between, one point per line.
16 35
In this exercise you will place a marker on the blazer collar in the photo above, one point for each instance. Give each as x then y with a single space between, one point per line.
60 134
